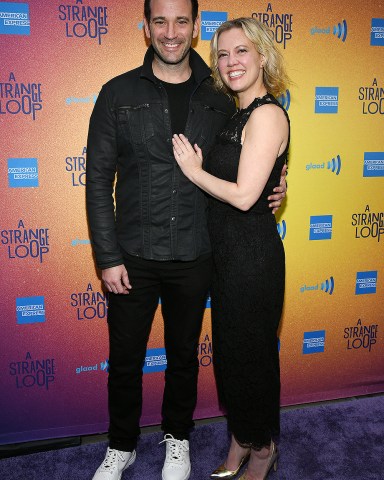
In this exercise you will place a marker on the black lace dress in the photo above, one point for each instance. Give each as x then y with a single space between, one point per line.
247 294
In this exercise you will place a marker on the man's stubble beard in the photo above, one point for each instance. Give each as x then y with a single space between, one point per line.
166 61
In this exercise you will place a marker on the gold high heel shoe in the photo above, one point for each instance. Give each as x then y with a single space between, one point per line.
272 461
223 473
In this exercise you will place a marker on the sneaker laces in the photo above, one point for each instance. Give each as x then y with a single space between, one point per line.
110 460
176 448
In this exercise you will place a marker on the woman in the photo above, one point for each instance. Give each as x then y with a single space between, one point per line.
248 287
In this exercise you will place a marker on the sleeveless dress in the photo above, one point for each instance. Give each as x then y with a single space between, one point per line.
247 294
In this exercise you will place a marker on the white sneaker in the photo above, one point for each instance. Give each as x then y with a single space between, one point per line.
177 465
114 464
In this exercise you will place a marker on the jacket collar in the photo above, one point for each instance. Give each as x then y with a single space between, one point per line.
200 69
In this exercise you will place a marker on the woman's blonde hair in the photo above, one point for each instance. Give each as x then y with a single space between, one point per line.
275 77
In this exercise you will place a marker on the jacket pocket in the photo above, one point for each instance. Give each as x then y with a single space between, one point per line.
136 122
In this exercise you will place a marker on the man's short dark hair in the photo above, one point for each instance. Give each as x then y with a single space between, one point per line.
147 9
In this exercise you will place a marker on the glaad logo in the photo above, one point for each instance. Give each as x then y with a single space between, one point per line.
361 336
20 98
76 166
327 287
285 100
334 165
373 164
14 18
26 242
279 24
78 241
314 342
340 30
210 22
368 224
89 304
90 368
282 229
208 302
372 99
79 100
84 21
320 227
30 310
366 282
23 172
30 373
155 360
377 32
326 99
204 352
103 367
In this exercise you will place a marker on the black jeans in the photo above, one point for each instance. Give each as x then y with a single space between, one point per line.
183 288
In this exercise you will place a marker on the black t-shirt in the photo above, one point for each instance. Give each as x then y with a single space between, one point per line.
179 95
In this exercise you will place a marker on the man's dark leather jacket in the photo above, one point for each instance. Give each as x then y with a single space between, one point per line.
160 214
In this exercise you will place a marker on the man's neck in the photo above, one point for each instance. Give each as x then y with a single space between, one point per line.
166 72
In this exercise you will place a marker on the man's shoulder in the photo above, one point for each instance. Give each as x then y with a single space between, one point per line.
128 88
124 78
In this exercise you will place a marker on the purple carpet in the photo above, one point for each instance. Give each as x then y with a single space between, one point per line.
342 440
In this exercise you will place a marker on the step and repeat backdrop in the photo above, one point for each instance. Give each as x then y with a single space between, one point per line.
55 56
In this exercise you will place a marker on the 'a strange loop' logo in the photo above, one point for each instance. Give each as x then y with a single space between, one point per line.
368 224
30 373
76 166
84 20
361 336
204 352
18 98
372 99
89 304
25 242
279 24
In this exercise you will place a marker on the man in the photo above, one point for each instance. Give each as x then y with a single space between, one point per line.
157 245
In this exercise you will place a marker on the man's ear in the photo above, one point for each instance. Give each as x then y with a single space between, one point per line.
196 27
146 29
